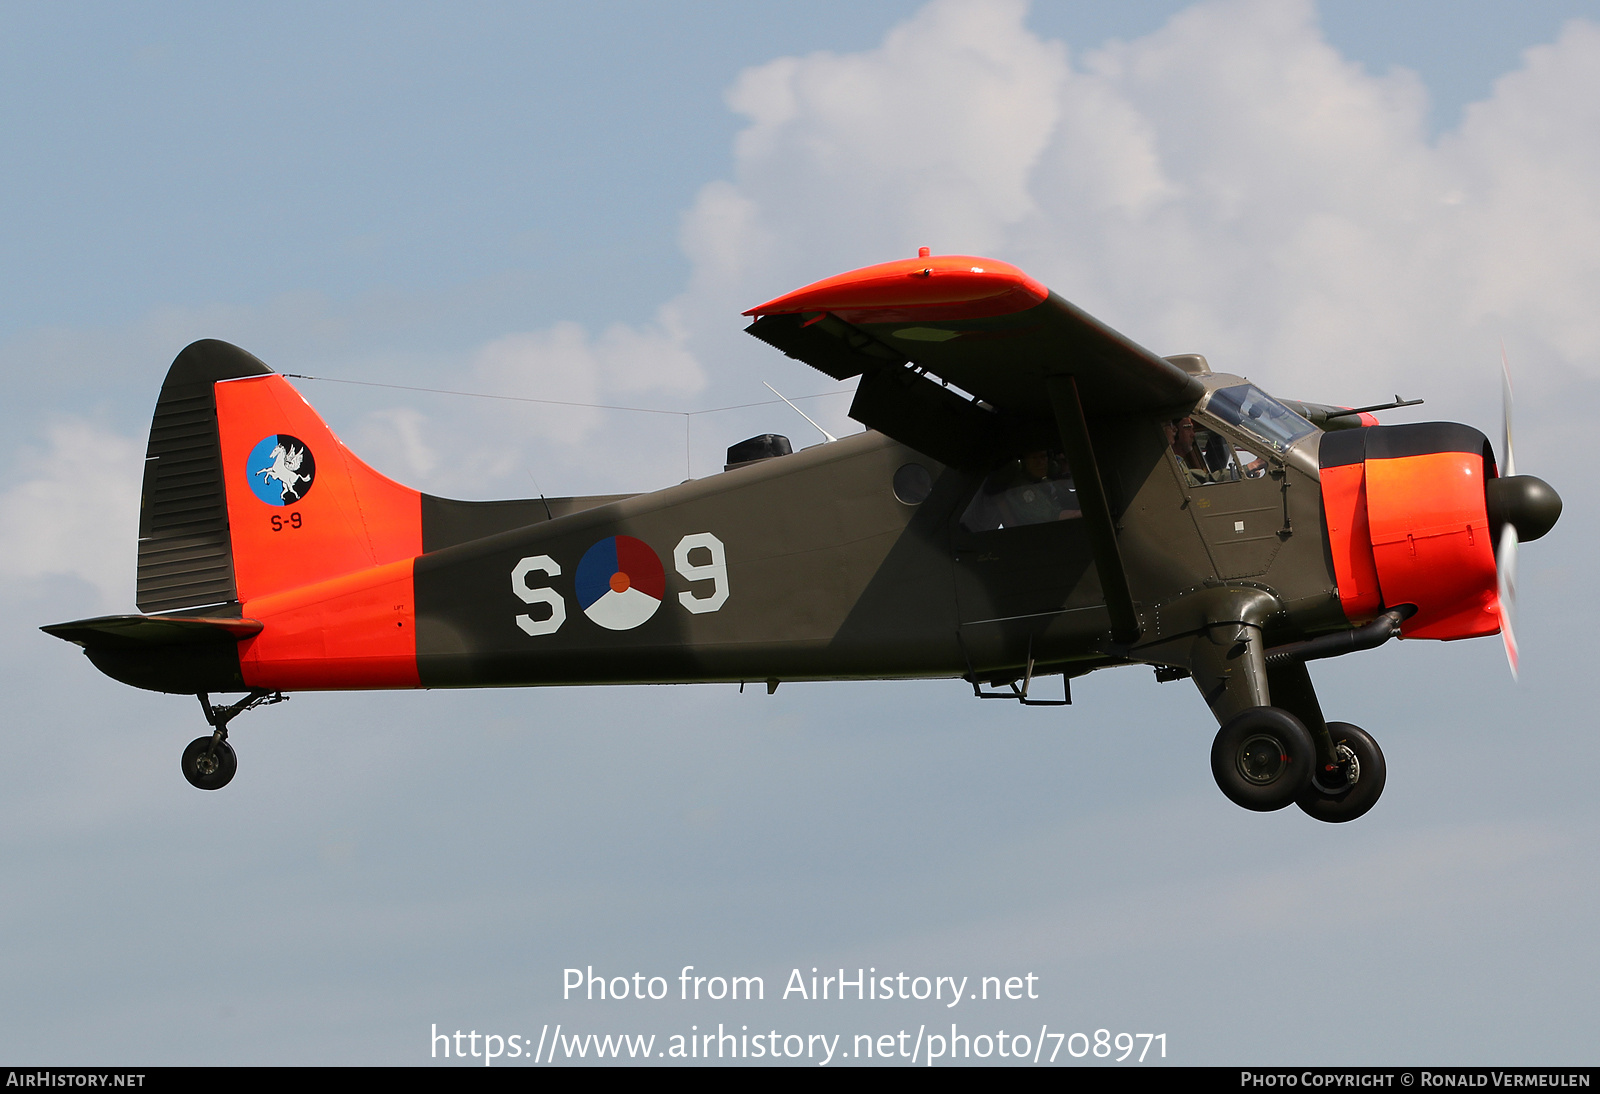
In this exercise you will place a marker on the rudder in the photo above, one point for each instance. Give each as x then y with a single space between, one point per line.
184 555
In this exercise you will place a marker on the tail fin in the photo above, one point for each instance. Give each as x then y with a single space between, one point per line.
248 492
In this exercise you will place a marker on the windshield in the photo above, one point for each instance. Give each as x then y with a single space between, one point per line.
1259 414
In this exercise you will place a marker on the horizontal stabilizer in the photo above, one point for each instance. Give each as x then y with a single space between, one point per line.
143 631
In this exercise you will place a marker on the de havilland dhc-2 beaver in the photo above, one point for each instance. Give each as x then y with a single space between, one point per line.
1034 495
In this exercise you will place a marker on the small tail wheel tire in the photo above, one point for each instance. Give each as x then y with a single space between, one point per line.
208 769
1263 759
1347 793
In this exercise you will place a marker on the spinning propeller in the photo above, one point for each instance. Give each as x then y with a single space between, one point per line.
1523 507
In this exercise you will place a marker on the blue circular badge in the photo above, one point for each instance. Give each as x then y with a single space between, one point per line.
280 469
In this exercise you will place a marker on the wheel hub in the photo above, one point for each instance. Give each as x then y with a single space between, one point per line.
1344 774
1262 759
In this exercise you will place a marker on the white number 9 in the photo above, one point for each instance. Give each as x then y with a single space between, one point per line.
715 571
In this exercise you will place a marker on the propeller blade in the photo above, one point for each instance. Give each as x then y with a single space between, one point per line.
1525 507
1505 555
1505 562
1509 467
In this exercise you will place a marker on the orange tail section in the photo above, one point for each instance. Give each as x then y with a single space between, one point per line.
253 507
302 508
247 492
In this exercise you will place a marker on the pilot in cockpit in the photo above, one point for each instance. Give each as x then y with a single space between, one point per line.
1181 437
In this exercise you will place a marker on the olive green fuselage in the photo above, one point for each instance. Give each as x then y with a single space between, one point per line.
828 574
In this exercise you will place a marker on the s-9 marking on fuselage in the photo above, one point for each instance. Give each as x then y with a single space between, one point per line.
1034 496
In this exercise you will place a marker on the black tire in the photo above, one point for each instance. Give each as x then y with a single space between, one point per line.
1367 774
1263 758
209 772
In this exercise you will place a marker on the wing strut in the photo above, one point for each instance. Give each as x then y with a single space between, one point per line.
1068 407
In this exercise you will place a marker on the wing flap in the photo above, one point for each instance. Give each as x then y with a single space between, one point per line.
826 343
932 419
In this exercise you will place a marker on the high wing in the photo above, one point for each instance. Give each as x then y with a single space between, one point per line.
981 325
1034 368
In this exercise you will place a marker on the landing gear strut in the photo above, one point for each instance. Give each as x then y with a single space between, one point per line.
209 763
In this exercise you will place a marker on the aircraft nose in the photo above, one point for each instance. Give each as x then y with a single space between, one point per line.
1528 504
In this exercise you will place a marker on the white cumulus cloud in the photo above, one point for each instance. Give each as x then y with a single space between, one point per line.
1229 184
75 512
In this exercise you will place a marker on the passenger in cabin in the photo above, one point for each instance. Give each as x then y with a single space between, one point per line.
1036 489
1045 492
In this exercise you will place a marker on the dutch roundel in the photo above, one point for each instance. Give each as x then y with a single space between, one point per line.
620 583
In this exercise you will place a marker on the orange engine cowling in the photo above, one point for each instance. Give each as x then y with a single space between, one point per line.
1408 523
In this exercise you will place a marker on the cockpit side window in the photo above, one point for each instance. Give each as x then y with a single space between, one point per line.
1035 489
1205 457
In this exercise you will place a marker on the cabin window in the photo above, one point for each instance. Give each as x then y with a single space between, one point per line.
912 484
1035 489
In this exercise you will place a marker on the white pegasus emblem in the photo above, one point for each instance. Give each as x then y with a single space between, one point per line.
285 470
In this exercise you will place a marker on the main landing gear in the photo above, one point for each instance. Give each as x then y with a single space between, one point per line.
1264 758
209 763
1275 747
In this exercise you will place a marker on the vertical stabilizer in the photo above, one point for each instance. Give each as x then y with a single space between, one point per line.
248 493
302 508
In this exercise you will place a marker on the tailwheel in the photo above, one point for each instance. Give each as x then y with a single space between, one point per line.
1263 758
209 763
1352 787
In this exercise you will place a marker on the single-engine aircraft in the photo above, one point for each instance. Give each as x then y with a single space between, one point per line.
1035 495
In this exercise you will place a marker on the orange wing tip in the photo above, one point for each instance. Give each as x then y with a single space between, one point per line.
926 287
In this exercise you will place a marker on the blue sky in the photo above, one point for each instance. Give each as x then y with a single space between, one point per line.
404 148
1341 201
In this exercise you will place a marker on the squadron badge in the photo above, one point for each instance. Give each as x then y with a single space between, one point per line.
280 469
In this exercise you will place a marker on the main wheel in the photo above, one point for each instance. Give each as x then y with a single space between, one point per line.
208 770
1344 795
1263 758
